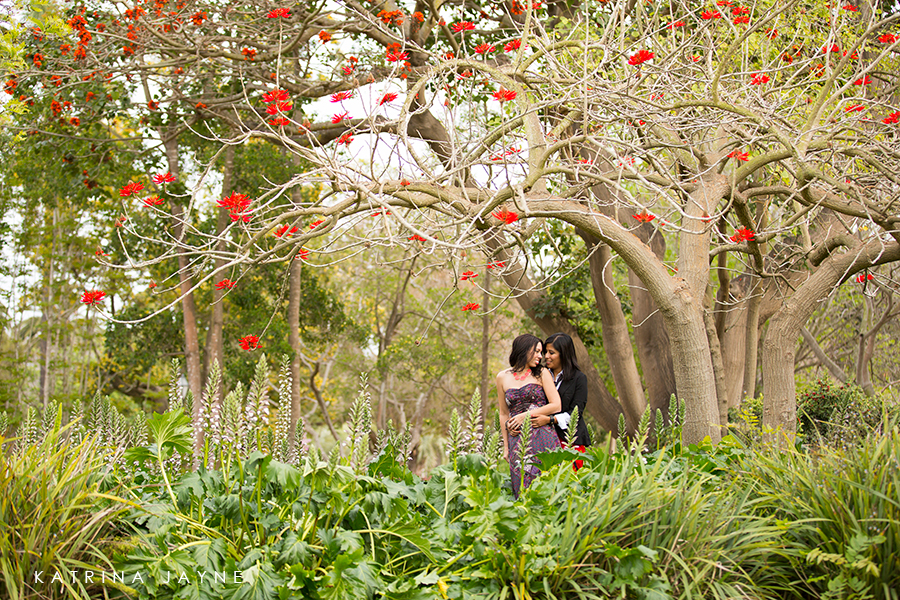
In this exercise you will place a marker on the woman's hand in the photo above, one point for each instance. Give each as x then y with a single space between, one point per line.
514 425
541 420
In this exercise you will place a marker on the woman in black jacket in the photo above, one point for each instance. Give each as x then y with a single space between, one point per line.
559 357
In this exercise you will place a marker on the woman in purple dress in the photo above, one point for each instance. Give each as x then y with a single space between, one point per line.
524 391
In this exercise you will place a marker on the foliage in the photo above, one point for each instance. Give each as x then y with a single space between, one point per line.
840 414
54 515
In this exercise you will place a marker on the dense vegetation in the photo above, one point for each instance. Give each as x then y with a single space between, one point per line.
746 518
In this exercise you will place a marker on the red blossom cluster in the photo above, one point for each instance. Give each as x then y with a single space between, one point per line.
707 15
341 96
484 48
284 13
863 81
162 178
302 254
249 53
864 277
644 217
640 57
225 284
738 155
249 342
854 108
338 117
152 201
130 188
471 306
468 275
396 56
394 17
388 97
512 46
496 265
887 38
503 95
286 231
237 206
759 79
511 151
345 139
506 216
416 238
892 118
315 224
324 36
463 26
92 297
742 235
674 24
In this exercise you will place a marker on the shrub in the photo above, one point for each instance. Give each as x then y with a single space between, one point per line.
53 516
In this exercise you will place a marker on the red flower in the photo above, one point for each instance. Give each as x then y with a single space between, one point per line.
863 81
497 265
468 275
341 96
512 46
644 217
284 13
75 121
640 57
710 14
742 234
279 121
237 205
315 224
892 118
738 155
275 95
92 297
463 26
854 108
284 232
505 215
249 53
850 8
130 189
302 254
887 38
153 105
249 342
771 33
198 17
337 118
740 10
742 20
484 48
396 56
416 238
225 284
152 285
389 97
503 95
471 306
162 178
833 48
153 201
759 79
278 107
324 36
345 139
404 182
863 277
675 24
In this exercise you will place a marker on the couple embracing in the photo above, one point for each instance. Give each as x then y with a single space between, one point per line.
544 393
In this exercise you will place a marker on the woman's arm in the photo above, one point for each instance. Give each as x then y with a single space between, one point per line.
504 416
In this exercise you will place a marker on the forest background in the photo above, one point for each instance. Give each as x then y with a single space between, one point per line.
426 320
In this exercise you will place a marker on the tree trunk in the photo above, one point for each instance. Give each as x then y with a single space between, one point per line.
485 347
751 341
780 344
836 371
650 334
295 294
215 343
188 307
614 329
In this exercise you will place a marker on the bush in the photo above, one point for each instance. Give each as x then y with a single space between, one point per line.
840 416
52 516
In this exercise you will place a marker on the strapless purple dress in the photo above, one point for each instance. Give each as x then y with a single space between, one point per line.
519 400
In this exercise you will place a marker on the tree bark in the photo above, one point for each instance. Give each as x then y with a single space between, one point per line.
779 347
614 330
836 371
215 343
485 347
188 307
295 294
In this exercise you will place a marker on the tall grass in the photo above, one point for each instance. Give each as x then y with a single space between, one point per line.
53 517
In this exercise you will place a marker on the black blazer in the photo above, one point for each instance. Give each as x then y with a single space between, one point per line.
573 393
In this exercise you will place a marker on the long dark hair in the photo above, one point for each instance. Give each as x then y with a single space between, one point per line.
564 345
521 349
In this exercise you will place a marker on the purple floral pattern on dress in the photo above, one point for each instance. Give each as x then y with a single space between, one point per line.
544 438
